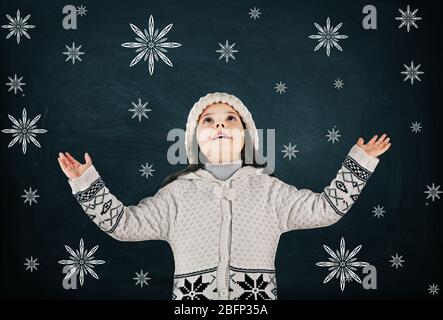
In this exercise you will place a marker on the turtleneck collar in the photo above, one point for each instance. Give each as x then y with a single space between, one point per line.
223 170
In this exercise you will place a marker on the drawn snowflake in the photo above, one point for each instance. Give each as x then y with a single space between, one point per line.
433 192
73 53
147 170
18 26
255 13
31 264
151 45
139 110
338 84
412 72
81 261
280 87
378 211
333 135
24 131
15 84
81 11
433 289
396 261
141 278
408 18
30 196
415 127
342 264
227 51
289 151
328 37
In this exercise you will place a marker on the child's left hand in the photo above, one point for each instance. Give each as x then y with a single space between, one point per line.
375 147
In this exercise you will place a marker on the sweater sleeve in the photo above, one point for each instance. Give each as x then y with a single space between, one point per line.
150 219
305 209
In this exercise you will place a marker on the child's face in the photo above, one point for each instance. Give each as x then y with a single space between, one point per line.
220 119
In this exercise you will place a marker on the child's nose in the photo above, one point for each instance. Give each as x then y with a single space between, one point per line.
220 124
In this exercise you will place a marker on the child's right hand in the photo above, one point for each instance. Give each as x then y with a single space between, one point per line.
71 167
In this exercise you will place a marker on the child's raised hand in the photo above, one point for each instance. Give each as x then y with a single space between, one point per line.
375 147
71 167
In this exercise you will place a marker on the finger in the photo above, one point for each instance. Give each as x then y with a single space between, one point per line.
372 140
66 161
62 165
88 158
67 158
380 140
72 159
387 140
360 142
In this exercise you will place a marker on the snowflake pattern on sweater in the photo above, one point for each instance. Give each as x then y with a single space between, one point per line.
224 233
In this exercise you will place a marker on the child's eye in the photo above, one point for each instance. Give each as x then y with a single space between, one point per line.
232 118
207 120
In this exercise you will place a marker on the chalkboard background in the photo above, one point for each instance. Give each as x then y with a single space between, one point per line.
84 106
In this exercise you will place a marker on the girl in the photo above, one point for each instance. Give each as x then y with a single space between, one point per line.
222 216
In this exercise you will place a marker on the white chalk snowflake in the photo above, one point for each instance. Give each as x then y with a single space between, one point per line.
328 37
139 110
151 45
227 51
416 127
338 84
147 170
342 264
31 264
141 278
412 72
81 11
433 192
15 84
396 261
289 151
18 26
73 53
81 261
333 135
280 87
255 13
24 131
433 289
30 196
378 211
408 18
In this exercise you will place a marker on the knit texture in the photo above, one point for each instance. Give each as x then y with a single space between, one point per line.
223 170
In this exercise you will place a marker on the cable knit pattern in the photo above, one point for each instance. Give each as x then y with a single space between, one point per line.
224 234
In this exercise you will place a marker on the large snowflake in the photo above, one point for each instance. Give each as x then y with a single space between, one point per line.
151 45
24 131
18 26
227 51
342 264
328 37
408 18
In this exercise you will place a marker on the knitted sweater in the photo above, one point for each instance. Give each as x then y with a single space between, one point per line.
223 170
224 234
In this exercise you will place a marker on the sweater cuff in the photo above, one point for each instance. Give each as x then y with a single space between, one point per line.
363 159
84 181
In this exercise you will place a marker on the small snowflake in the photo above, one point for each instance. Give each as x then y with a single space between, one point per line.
226 51
81 11
338 84
73 53
81 261
24 131
15 84
280 87
139 110
31 264
433 192
415 127
408 18
378 211
328 37
147 170
18 26
30 196
433 289
141 278
412 72
396 261
289 151
150 45
333 135
255 13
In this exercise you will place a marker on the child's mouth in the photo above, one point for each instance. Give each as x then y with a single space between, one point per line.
222 136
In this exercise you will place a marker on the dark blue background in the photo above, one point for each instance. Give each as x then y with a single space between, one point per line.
85 106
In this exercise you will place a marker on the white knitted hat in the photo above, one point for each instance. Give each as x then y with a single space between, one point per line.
201 104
